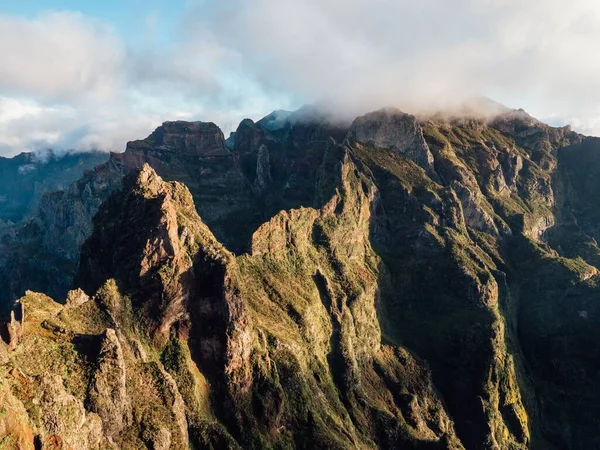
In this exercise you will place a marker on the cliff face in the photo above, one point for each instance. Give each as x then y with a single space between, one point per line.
266 171
405 283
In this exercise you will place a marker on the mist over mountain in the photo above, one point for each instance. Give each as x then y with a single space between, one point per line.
83 76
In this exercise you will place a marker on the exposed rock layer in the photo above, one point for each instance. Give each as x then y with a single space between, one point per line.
426 284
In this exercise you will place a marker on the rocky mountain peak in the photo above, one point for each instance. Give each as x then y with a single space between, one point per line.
185 138
148 180
275 120
390 128
247 136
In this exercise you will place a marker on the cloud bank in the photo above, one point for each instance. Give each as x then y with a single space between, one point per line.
70 81
527 53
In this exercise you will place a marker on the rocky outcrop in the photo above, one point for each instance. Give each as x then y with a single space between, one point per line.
474 214
14 330
108 391
163 438
64 420
263 171
186 138
81 385
15 427
392 129
151 246
76 298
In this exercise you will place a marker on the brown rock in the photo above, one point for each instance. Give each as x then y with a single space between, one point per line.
392 129
108 391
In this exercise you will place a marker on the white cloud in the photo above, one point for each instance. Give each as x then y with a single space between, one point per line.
415 54
59 56
61 82
67 80
28 126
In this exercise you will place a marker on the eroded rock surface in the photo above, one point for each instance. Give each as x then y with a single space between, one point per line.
403 283
392 129
108 391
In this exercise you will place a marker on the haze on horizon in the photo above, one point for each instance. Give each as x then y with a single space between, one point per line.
93 75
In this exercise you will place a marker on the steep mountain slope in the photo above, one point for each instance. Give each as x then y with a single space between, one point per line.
390 283
246 182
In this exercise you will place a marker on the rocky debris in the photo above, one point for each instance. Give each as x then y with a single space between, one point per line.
392 129
107 394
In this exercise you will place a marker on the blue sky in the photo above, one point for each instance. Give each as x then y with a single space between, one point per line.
95 74
124 15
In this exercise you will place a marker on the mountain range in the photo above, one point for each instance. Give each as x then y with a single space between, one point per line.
387 282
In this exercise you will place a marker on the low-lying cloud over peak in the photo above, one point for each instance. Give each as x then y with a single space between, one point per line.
69 80
418 54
